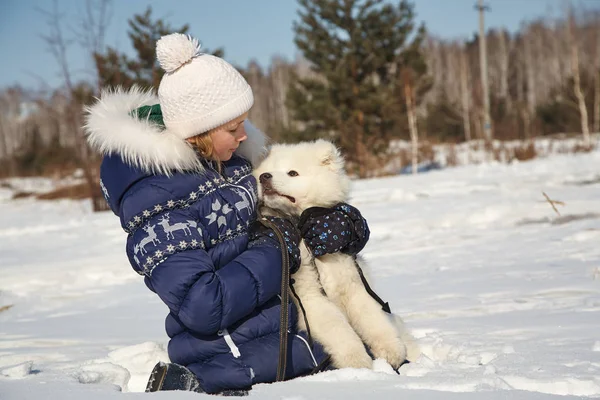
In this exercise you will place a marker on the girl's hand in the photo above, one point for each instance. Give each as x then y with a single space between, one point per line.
331 230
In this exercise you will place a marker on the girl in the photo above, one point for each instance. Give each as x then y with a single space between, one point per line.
177 172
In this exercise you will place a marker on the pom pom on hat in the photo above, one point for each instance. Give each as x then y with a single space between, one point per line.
175 50
199 92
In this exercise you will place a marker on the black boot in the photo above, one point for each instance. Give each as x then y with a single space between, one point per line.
177 377
172 377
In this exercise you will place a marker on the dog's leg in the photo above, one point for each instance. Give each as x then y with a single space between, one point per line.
343 286
328 324
412 347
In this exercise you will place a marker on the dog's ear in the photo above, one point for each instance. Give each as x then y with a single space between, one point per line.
329 154
327 159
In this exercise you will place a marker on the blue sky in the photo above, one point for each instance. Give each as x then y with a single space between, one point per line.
246 29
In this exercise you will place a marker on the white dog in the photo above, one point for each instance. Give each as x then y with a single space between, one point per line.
294 178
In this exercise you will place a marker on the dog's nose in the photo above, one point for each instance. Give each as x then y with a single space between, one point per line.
264 178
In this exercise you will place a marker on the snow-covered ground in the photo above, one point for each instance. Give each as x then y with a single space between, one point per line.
502 293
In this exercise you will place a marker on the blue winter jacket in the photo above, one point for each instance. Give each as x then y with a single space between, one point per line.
187 235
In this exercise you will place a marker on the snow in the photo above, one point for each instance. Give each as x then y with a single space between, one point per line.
18 371
502 294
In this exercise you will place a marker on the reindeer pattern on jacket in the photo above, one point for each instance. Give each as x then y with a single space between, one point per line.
178 233
151 238
179 226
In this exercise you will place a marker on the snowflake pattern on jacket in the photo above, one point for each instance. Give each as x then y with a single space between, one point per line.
173 226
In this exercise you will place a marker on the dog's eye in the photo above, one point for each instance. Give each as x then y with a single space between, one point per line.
293 173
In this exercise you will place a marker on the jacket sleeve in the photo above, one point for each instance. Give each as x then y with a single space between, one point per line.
361 231
206 299
341 228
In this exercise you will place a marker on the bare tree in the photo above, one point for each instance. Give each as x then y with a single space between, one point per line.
90 30
572 35
596 75
465 94
11 125
5 154
57 43
435 66
503 65
408 83
487 121
259 114
558 55
530 73
280 76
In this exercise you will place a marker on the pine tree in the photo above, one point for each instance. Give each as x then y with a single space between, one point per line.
358 49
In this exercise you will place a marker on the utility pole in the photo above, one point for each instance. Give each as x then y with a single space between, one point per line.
487 121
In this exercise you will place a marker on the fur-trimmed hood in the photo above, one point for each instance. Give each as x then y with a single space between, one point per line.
111 128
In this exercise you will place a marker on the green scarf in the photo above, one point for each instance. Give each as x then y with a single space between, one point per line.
151 113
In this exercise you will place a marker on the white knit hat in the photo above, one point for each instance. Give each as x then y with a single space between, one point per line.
199 91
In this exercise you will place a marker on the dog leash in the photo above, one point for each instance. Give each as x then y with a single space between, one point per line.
284 314
286 288
385 306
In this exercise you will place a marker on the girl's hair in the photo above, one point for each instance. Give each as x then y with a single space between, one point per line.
203 144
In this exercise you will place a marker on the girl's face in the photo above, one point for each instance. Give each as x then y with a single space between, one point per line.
228 137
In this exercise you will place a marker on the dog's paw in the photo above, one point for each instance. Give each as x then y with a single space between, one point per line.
392 350
353 358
